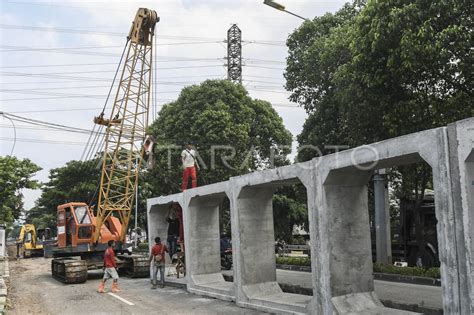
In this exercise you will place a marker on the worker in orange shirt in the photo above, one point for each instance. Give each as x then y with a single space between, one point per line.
110 269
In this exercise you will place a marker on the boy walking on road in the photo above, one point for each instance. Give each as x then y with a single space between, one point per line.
158 256
110 269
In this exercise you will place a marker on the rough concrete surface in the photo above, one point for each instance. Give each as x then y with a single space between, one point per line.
395 293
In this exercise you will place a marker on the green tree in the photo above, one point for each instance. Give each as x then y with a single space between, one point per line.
289 210
234 134
316 51
77 181
250 133
411 68
381 70
15 175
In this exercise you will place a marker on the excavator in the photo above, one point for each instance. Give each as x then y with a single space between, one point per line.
82 233
30 241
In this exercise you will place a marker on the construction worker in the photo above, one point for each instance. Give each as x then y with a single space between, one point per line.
173 231
110 269
157 255
190 166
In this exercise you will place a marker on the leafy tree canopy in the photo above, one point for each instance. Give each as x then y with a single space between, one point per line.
381 70
77 181
250 133
15 175
234 134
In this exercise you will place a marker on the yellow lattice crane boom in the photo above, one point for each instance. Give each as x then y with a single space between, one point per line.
80 232
126 127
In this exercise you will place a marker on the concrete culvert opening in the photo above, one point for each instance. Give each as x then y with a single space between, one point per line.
165 220
204 248
262 210
359 236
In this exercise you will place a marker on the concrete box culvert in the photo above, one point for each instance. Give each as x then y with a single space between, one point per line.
340 242
342 179
255 254
203 264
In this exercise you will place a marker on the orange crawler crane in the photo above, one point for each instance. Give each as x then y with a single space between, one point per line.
83 235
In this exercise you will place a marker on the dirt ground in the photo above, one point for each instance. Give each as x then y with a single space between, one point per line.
23 297
34 291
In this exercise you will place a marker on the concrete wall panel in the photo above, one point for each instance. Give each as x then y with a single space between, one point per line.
461 152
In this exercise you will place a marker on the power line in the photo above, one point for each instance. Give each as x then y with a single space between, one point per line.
14 133
43 141
9 73
63 97
31 48
44 123
170 59
120 34
64 75
206 76
66 110
24 127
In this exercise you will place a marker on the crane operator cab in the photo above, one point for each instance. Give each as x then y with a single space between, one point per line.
76 225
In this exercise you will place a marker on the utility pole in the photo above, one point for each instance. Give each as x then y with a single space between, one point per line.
383 241
234 54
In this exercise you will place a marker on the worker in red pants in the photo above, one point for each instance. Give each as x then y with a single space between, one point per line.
190 166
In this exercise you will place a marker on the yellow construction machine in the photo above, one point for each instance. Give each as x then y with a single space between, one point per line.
30 241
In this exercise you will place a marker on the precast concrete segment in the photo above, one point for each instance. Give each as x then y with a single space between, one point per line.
461 154
157 212
253 237
342 178
3 243
338 222
202 239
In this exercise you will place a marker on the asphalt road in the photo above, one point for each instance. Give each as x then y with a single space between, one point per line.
34 291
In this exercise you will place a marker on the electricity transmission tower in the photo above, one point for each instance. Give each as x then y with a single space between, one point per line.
234 54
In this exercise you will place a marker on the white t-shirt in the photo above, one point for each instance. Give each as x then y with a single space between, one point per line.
187 158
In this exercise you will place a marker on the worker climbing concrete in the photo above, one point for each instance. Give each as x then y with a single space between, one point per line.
190 166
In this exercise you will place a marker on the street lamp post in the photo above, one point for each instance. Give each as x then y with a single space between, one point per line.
281 7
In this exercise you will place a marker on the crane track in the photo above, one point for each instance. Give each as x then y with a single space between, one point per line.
69 270
136 266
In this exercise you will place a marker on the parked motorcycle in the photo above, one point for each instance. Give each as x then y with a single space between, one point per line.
226 252
226 259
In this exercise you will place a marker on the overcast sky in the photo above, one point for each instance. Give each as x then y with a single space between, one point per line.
58 59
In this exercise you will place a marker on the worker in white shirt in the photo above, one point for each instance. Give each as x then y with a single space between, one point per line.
190 166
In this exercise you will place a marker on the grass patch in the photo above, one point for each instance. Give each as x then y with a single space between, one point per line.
408 271
382 268
296 261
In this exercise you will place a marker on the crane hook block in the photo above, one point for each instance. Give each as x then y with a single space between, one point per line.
143 27
106 122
